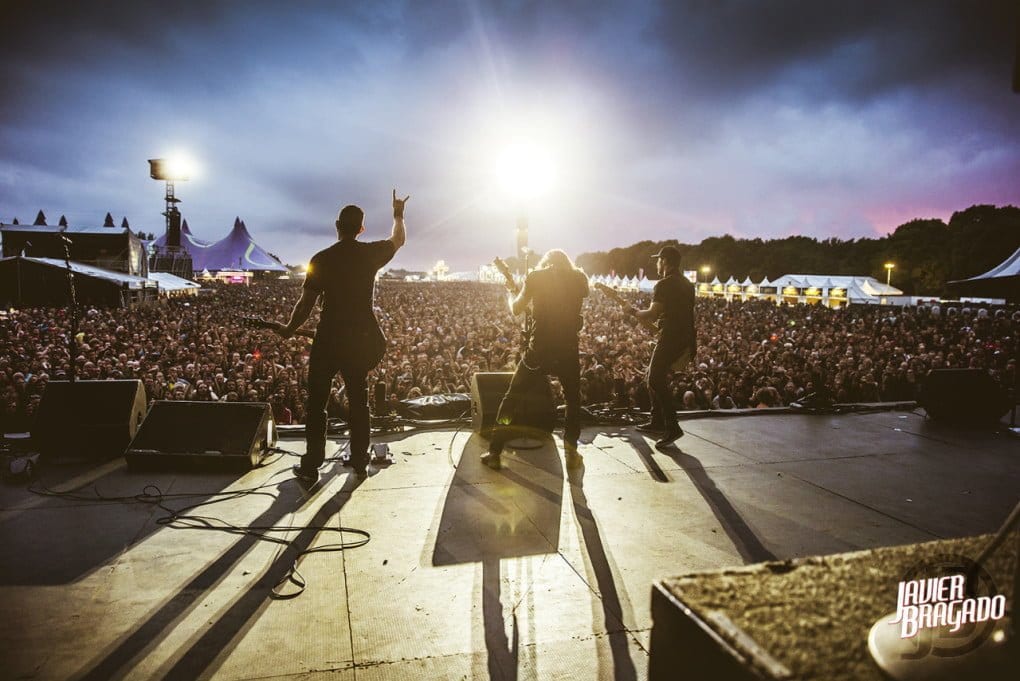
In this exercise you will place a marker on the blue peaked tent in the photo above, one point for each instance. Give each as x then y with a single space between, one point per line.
237 250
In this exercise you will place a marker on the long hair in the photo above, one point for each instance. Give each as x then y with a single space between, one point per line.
557 259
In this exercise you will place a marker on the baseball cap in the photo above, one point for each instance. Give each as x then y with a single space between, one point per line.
671 253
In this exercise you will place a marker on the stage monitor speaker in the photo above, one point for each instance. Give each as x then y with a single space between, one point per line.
96 419
203 436
963 397
487 391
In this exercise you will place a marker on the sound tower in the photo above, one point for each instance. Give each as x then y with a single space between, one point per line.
96 419
968 397
487 391
233 436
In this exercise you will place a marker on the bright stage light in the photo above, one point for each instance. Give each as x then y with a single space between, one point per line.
525 170
176 167
181 166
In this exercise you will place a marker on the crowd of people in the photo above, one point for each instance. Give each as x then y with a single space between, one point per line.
750 354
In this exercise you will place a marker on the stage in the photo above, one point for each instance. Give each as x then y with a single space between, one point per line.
532 572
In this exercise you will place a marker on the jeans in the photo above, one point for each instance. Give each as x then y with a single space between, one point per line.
323 366
665 357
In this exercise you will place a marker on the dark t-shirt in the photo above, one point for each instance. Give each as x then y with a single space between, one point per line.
676 322
344 274
556 296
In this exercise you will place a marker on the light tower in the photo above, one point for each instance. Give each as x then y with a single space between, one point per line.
173 257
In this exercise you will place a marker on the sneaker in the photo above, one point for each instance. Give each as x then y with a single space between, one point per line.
670 437
650 427
303 476
492 460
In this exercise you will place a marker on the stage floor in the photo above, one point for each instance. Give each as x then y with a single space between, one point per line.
532 572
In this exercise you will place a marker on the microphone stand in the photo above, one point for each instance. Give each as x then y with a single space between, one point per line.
72 338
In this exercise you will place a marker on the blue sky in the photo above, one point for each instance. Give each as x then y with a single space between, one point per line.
659 120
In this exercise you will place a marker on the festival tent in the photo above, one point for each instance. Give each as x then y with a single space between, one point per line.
43 282
104 247
790 280
1002 281
863 290
189 241
172 284
239 250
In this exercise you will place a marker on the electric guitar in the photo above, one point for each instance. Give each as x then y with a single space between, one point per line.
511 285
259 323
616 297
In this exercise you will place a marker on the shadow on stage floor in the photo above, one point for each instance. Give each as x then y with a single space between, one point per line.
489 516
198 657
740 533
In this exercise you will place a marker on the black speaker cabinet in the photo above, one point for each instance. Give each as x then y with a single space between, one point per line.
95 419
487 391
963 397
203 435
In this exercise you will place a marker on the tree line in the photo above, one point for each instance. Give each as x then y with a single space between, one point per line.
927 253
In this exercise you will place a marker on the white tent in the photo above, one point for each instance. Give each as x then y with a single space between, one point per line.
864 290
1003 280
172 283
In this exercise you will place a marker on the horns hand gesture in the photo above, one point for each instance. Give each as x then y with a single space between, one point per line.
398 205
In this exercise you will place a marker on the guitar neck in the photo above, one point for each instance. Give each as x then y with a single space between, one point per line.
622 302
509 282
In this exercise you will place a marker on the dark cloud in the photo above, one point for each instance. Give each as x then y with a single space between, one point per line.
863 48
699 116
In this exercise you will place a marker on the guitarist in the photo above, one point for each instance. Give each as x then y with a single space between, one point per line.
348 338
673 306
555 291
